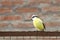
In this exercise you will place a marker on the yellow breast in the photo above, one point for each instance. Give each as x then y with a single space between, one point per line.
38 24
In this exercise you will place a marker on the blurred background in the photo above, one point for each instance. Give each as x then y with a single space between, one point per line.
15 15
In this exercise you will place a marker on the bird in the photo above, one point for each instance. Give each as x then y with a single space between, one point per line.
38 23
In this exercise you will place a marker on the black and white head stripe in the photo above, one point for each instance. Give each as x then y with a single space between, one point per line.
34 16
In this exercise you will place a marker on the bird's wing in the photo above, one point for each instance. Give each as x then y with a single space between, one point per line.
43 23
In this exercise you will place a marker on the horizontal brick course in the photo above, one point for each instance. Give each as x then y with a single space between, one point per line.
51 9
10 17
57 2
3 25
11 3
22 25
39 1
52 24
5 10
26 10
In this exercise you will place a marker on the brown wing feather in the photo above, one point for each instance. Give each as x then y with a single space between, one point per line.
44 26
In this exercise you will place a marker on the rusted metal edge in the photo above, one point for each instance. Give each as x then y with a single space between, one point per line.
30 33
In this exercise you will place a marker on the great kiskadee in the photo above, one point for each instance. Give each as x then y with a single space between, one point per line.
38 23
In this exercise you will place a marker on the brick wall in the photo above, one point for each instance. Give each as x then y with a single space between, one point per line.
15 15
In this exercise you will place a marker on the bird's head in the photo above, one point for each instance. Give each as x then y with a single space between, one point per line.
34 16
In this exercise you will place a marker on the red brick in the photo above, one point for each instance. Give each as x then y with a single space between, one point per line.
39 1
13 17
5 10
51 9
56 16
57 1
3 24
25 10
11 3
22 25
28 16
46 16
52 24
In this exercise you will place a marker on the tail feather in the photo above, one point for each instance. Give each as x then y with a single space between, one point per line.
44 26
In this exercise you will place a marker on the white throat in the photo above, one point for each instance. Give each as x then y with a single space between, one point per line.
34 18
